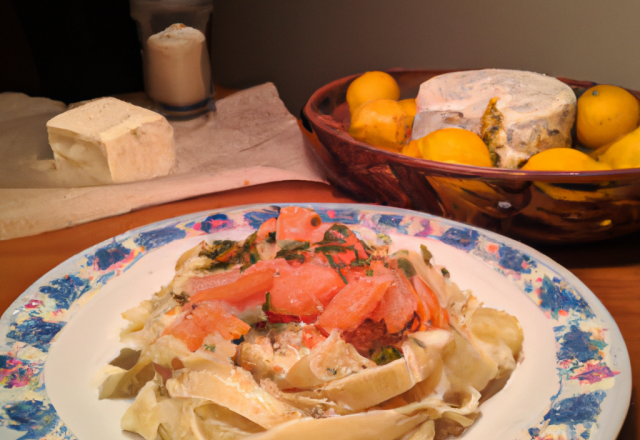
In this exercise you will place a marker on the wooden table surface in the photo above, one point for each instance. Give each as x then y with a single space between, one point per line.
610 269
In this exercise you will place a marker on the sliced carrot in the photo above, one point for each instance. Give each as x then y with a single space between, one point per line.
256 284
351 306
305 290
295 223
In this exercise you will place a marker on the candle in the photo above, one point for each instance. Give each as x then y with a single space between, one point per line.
178 71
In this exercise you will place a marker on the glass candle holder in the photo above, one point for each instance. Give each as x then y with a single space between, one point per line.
175 53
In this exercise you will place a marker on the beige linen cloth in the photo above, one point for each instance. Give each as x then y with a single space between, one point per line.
250 139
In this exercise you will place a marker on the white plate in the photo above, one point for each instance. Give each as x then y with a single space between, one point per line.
574 379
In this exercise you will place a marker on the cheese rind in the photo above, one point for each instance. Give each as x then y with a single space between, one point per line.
110 141
536 112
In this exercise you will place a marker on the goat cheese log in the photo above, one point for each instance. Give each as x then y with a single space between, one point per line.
517 114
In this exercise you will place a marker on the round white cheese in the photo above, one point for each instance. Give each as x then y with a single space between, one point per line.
533 112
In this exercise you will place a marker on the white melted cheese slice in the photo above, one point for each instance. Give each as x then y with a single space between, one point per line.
110 141
538 111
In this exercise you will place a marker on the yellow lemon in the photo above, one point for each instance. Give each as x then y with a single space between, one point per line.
412 149
624 153
455 145
370 87
381 123
409 107
606 113
563 159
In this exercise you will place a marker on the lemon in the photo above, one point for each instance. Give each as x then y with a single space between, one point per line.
563 159
381 123
624 153
370 87
409 107
455 145
412 149
606 113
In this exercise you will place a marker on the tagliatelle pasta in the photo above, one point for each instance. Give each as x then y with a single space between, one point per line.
306 330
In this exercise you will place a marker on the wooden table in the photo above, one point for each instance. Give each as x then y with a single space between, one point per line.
610 269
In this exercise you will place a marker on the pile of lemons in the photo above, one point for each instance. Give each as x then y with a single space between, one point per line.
607 128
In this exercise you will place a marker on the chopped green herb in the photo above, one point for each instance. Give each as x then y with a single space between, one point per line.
445 272
266 307
369 273
360 262
368 249
386 355
293 250
211 348
426 255
334 248
217 249
384 238
332 371
406 266
292 245
248 255
337 266
336 234
181 298
289 247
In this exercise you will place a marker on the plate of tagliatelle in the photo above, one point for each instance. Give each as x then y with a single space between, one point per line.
321 321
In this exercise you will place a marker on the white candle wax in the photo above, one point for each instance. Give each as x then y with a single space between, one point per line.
178 71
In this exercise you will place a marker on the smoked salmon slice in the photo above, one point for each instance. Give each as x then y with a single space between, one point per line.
187 331
305 290
203 319
198 284
397 307
212 316
252 287
295 223
354 303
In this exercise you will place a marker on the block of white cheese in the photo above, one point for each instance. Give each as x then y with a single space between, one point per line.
177 69
110 141
518 114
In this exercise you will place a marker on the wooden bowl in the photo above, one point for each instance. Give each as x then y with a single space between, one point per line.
536 206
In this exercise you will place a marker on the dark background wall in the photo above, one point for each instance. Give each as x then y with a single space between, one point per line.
72 50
